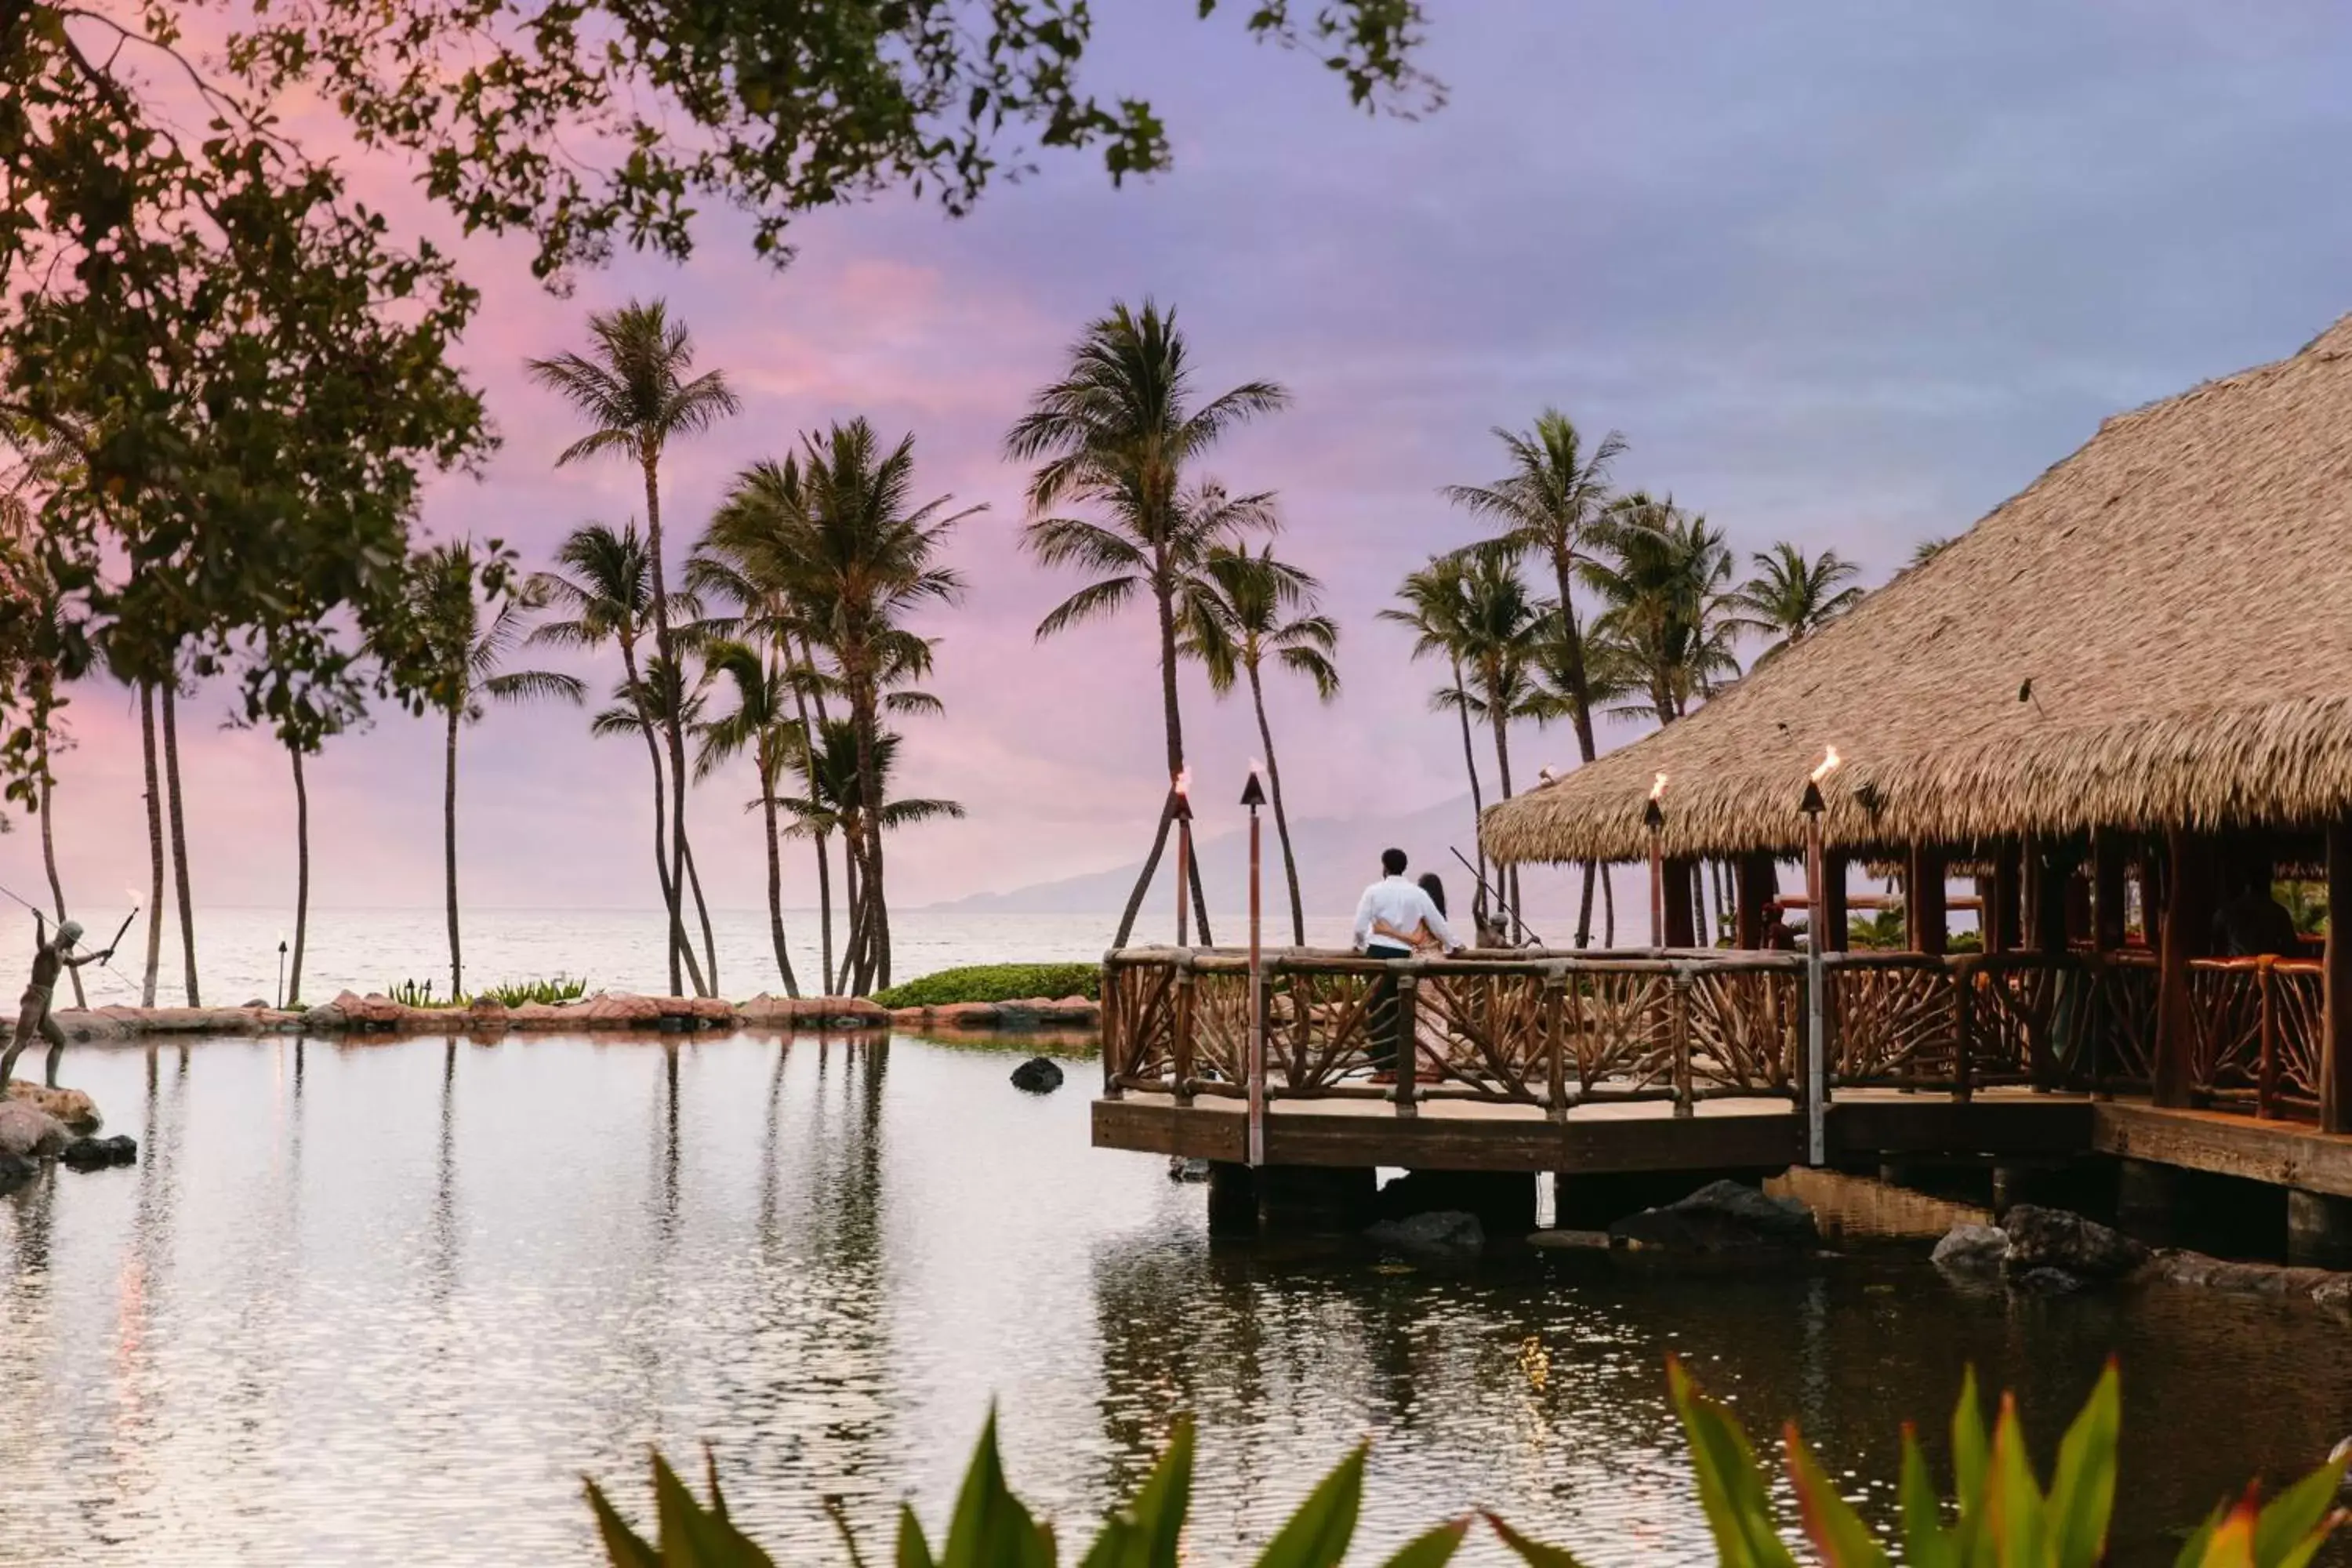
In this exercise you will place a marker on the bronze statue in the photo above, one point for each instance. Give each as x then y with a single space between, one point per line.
49 959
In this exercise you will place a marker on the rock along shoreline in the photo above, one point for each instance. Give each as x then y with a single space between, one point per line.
374 1013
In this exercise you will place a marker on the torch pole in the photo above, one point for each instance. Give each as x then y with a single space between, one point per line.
1258 1008
1816 991
1658 889
1183 871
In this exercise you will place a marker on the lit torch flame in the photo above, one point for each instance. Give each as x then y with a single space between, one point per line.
1657 786
1829 760
1184 783
134 895
1257 767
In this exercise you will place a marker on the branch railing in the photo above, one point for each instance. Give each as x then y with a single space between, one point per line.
1555 1030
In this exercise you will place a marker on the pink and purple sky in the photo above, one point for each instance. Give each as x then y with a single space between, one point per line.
1842 273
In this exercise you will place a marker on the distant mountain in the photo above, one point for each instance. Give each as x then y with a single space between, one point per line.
1336 858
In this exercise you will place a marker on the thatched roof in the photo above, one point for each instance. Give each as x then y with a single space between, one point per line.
2178 592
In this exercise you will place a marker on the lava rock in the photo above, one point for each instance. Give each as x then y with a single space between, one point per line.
1442 1231
28 1132
1038 1075
97 1153
70 1106
2048 1281
1975 1249
1723 1217
15 1171
2336 1293
256 1006
1180 1169
2041 1238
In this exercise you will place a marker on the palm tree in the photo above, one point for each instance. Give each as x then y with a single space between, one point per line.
633 387
1115 434
662 689
1554 503
837 532
1668 616
835 801
468 641
603 588
1927 550
1501 630
1792 597
1434 607
762 722
1239 610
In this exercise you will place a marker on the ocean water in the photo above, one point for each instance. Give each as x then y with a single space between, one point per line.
387 1302
615 950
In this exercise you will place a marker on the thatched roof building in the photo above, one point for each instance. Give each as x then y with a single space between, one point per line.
2178 593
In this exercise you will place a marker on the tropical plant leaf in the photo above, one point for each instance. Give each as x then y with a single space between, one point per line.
693 1536
1970 1454
624 1547
1316 1536
913 1551
1835 1530
1432 1550
2231 1544
1146 1533
2083 1488
2013 1504
1535 1554
991 1529
2300 1518
1730 1490
1926 1542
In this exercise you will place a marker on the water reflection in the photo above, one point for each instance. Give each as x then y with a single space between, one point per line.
363 1301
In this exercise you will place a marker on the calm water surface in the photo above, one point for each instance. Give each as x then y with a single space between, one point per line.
385 1303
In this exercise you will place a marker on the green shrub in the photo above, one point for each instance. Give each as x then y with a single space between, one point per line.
2003 1520
995 983
511 993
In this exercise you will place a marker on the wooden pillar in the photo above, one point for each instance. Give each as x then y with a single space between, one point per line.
2050 869
1839 934
2187 910
2335 1036
1925 924
1681 930
1759 880
2106 891
2001 923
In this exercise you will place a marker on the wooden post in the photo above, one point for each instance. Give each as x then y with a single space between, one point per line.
2053 868
2266 1073
1678 1033
1680 928
1838 936
2000 917
2335 1037
1112 1049
1180 1051
2106 891
1407 1046
2188 908
1923 900
1964 1022
1759 882
1555 1032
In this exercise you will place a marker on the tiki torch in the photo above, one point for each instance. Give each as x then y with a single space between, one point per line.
1183 813
1817 917
281 969
1254 796
1654 819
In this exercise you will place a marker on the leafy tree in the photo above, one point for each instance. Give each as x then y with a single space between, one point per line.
601 591
836 802
1667 621
469 626
1435 605
1240 610
1792 595
1116 435
637 391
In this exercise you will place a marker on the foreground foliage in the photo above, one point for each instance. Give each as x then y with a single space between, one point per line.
508 993
995 983
2002 1517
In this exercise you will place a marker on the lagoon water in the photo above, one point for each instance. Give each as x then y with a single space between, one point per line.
387 1302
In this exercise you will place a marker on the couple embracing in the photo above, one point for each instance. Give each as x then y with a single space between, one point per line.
1398 918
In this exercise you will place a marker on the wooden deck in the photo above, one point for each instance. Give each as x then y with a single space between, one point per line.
1469 1135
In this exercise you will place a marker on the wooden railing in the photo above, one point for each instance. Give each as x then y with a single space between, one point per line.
1554 1030
1549 1030
2254 1032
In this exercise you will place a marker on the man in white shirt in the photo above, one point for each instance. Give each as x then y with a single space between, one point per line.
1401 907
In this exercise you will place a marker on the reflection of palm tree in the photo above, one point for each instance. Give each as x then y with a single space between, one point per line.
1239 610
466 642
1116 435
603 588
1554 503
1792 595
633 388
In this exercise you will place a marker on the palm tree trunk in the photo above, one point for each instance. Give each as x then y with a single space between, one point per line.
1281 821
1580 697
776 883
1477 797
702 912
672 729
154 844
816 803
1584 905
49 837
853 893
449 851
179 841
825 908
678 947
1608 909
874 957
1502 772
1151 867
301 876
1167 602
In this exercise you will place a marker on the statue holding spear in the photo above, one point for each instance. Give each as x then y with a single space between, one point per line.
50 958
